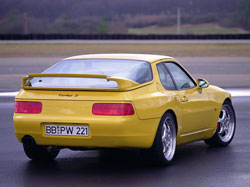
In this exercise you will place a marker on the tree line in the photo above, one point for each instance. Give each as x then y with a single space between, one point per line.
110 16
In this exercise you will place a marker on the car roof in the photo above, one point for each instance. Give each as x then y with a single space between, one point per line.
145 57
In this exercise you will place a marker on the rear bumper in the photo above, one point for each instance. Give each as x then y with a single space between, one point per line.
104 131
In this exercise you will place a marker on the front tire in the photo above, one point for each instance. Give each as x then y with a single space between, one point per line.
225 127
40 153
163 149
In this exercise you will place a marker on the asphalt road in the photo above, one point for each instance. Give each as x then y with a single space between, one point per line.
220 71
194 165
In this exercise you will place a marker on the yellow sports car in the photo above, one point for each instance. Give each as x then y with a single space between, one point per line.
140 101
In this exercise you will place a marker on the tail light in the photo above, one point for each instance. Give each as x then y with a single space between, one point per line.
28 107
113 109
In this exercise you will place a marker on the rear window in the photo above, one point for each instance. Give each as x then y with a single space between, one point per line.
138 71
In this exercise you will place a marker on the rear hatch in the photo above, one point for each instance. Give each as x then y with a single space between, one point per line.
72 87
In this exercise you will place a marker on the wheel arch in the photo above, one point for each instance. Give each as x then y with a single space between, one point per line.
175 118
228 100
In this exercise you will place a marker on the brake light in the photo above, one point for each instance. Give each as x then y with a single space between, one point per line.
113 109
28 107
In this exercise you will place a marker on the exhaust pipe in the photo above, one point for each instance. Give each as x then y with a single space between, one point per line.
28 140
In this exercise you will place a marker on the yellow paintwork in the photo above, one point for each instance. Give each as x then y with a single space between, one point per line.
196 110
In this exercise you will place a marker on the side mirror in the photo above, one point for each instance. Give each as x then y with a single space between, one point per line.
202 83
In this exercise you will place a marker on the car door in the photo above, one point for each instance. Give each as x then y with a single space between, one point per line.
193 102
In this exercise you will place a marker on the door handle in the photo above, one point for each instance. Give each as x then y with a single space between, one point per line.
184 99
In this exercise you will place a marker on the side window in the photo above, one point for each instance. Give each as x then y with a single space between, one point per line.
165 77
182 80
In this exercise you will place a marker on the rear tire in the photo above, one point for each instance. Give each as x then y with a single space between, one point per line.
40 153
163 149
225 128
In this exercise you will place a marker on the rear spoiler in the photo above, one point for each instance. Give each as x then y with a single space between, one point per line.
123 84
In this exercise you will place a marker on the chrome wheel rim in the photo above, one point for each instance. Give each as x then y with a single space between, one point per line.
226 124
168 138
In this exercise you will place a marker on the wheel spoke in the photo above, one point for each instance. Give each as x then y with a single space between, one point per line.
164 134
164 147
221 129
222 118
168 129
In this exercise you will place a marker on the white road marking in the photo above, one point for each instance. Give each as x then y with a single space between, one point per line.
8 94
241 92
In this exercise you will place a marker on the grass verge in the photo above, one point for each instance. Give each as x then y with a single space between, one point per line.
207 28
170 49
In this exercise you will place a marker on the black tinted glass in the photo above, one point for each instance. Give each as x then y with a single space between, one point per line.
182 80
165 77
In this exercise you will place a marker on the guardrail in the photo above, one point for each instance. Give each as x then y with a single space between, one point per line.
124 37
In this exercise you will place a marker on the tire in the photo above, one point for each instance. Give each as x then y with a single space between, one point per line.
163 149
225 127
40 153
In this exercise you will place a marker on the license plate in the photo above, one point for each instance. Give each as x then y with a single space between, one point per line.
66 130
